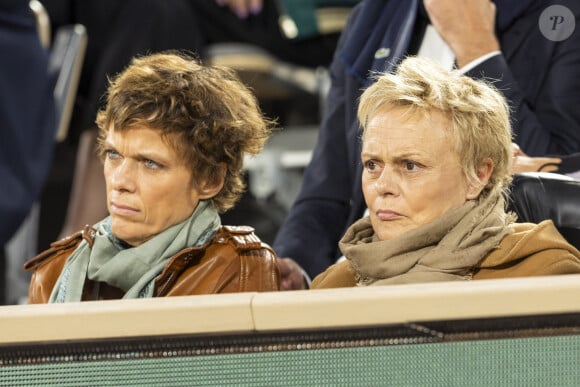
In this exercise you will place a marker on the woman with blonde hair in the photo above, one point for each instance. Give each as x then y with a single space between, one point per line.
436 153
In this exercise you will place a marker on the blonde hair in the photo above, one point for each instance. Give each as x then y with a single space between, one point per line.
478 112
204 112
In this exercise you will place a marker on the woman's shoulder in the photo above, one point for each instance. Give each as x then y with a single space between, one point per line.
234 260
531 249
339 275
61 247
48 265
532 237
242 237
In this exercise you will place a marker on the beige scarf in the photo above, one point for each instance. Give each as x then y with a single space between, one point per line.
446 249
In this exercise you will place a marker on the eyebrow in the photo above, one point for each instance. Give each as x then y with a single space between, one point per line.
140 156
400 157
408 155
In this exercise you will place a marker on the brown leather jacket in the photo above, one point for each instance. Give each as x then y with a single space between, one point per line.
234 260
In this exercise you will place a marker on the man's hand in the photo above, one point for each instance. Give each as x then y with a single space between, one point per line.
524 163
468 26
292 275
242 8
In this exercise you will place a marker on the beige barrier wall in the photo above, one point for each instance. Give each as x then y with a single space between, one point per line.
263 312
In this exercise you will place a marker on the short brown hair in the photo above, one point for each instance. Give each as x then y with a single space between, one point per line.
205 112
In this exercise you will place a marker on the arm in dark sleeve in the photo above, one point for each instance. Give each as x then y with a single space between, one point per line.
27 115
318 217
542 85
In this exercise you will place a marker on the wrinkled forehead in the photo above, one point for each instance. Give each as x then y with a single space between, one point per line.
410 116
170 138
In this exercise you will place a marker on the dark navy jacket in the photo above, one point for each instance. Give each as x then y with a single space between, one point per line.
540 78
27 115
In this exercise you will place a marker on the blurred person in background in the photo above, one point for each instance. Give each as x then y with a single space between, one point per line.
27 119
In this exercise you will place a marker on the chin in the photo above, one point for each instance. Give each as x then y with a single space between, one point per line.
383 237
132 240
125 237
124 232
382 232
387 235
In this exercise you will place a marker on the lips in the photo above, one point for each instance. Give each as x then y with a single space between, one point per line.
388 215
119 209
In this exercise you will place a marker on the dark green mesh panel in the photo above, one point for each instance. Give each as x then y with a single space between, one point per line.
531 361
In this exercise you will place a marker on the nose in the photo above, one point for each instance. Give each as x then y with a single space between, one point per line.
121 175
387 183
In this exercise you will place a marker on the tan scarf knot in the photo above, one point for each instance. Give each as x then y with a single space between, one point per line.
447 249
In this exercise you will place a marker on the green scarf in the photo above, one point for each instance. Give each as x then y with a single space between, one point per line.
444 250
132 269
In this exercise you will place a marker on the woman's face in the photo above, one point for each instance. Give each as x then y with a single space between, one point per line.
411 173
149 187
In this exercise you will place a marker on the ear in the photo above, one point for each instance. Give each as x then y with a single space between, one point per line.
484 171
209 189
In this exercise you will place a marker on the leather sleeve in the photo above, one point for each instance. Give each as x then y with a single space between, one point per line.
47 268
44 278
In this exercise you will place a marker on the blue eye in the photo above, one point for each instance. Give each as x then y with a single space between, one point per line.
111 154
151 164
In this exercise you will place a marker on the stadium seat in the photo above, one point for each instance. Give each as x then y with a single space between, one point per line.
537 196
